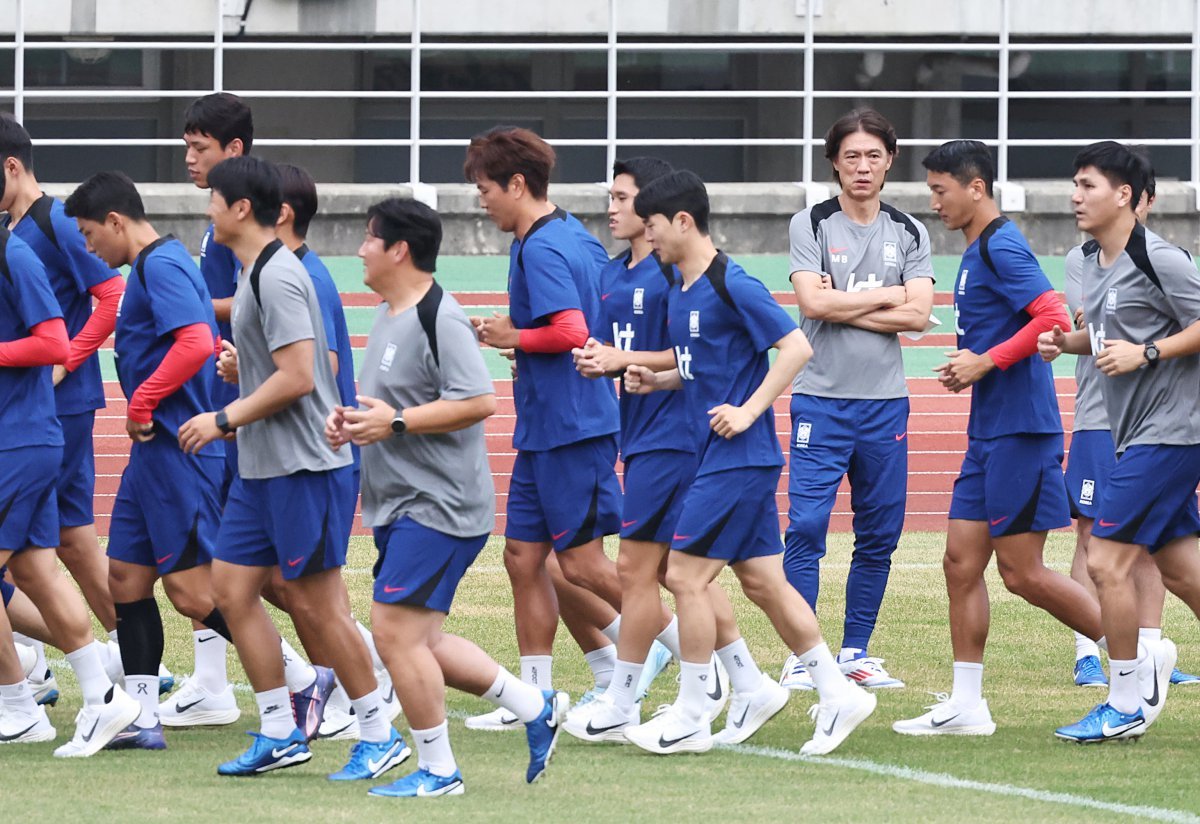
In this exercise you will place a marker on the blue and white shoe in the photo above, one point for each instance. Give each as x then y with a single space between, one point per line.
421 784
542 734
44 689
588 697
1089 672
1179 678
371 759
308 705
267 754
1104 723
166 681
134 737
658 660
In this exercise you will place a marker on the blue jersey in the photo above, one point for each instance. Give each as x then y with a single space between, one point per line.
220 267
164 293
333 316
556 267
722 327
27 413
633 317
72 270
998 278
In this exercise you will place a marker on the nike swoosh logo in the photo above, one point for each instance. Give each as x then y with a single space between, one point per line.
295 562
716 694
87 736
557 535
209 638
902 436
597 730
1153 699
664 742
678 537
1108 524
1111 731
389 589
838 250
829 729
944 721
374 766
390 695
738 723
1124 673
502 688
998 521
627 524
421 791
605 296
17 735
164 559
186 707
278 753
430 740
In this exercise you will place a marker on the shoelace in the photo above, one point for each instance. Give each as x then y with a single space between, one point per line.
662 709
940 698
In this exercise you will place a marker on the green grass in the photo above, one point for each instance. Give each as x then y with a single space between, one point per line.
1028 684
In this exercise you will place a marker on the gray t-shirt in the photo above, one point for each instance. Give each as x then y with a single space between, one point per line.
275 305
1089 401
442 482
849 362
1150 292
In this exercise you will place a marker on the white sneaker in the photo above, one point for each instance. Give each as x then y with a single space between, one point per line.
670 732
194 706
338 723
717 696
602 720
498 720
110 655
97 724
836 718
948 718
795 675
28 657
391 703
24 728
1154 677
45 688
869 673
748 711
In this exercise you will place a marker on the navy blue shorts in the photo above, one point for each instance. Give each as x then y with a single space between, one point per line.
7 590
168 507
655 485
1150 498
1089 464
731 515
566 496
77 475
28 505
299 522
1015 483
419 566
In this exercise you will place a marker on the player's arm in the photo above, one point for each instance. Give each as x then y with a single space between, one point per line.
642 380
836 306
595 359
794 351
910 316
964 367
46 345
192 346
223 309
1180 287
564 331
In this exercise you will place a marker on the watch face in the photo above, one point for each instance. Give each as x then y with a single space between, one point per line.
398 425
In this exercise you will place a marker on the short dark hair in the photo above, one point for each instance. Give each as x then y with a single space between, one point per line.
681 191
252 179
106 192
299 191
1143 154
15 142
642 169
860 120
963 160
504 151
1120 164
402 218
223 117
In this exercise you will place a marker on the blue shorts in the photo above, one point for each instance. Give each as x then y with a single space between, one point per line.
655 485
28 505
1014 483
419 566
1089 464
77 475
731 515
1150 498
7 590
566 496
168 508
299 522
229 470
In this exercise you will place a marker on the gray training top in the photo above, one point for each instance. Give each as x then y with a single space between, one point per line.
1150 292
276 305
1089 401
442 482
849 362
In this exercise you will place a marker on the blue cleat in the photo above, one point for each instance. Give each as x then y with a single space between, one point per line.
134 737
542 734
1179 678
166 681
308 705
267 754
1104 723
1089 672
421 784
657 661
371 759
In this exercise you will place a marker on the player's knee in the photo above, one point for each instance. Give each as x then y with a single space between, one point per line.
1022 581
194 605
582 571
683 585
804 532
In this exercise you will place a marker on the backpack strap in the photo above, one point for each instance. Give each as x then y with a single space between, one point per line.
427 312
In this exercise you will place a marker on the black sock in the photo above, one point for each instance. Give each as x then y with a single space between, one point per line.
216 622
140 628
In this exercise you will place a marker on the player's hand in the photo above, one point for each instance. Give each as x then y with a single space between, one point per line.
1050 344
1078 319
335 431
139 432
640 380
199 432
227 362
963 368
1120 357
595 359
728 421
498 331
370 424
58 373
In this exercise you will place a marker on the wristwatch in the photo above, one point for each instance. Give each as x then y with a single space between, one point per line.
398 425
1151 354
223 423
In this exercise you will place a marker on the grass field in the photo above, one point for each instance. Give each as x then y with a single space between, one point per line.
1020 774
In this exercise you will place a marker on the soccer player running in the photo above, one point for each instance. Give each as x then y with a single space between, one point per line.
862 273
427 492
722 324
1009 491
287 506
33 337
1141 307
167 510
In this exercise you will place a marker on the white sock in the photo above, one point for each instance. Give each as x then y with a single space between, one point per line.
1102 642
275 713
39 666
849 654
372 720
17 698
1150 633
693 685
518 697
623 689
669 638
744 674
338 697
1084 647
144 689
1122 685
602 662
537 671
968 684
112 636
369 640
613 630
211 670
826 674
89 671
298 673
433 750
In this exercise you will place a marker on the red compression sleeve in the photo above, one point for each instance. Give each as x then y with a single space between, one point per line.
100 325
567 330
46 345
1045 312
192 347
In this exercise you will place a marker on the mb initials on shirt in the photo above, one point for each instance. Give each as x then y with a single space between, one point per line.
684 358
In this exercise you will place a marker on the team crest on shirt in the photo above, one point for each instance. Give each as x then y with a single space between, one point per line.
389 355
639 298
1086 491
1110 301
803 433
694 323
889 253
